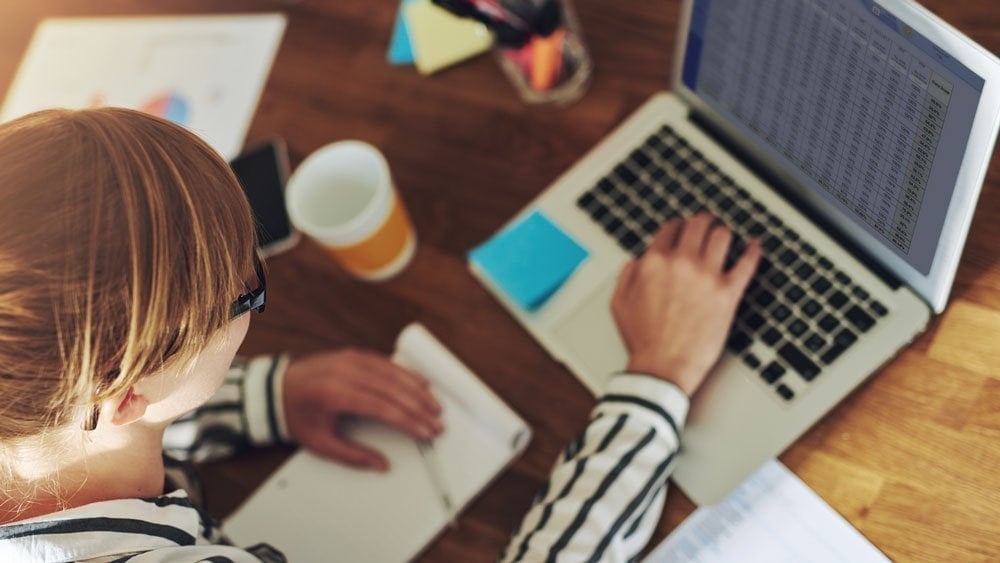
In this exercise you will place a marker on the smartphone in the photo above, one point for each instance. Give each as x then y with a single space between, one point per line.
262 171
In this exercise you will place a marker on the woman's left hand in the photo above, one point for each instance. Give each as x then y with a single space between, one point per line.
319 390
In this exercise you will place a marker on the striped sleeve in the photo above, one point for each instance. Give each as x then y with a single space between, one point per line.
606 491
246 410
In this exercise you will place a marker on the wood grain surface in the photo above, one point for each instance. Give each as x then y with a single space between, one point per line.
912 458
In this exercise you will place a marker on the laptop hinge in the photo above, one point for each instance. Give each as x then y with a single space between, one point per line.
700 121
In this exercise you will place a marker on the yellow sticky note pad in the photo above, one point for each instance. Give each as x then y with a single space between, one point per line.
441 39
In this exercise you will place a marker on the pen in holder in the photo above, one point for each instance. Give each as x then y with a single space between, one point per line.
552 66
539 45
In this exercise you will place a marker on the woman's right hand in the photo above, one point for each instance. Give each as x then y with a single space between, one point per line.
675 304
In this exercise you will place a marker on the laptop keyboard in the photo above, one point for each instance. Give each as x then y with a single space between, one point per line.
800 312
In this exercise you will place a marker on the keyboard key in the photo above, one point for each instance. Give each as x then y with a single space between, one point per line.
772 372
808 249
773 221
771 243
686 200
791 235
696 178
770 336
764 266
659 204
845 337
636 213
879 309
682 165
725 203
829 323
805 271
842 278
859 318
758 207
785 392
741 217
606 186
780 313
859 292
625 175
821 285
630 241
832 354
787 257
756 229
599 212
645 192
752 361
650 226
585 200
824 263
837 299
711 191
754 321
640 158
815 343
798 327
621 199
613 225
842 342
794 293
667 153
811 308
738 341
778 280
658 175
764 298
799 362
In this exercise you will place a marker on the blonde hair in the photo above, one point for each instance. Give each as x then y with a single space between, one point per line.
125 241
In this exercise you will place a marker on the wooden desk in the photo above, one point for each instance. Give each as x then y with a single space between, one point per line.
912 458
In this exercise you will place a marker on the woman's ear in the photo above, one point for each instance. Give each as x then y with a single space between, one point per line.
129 408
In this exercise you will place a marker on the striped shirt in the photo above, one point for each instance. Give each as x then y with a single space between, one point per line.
602 502
607 489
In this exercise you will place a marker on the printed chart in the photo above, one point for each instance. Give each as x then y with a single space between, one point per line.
205 73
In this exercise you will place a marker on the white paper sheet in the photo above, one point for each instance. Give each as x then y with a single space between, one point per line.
312 508
773 517
205 73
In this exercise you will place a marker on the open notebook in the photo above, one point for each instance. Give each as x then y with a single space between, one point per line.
316 510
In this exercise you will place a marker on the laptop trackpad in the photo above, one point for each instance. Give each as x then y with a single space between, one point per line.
590 339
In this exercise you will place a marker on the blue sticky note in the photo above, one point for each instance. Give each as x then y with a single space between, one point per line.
400 48
530 260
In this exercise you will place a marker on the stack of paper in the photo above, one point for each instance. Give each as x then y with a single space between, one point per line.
773 517
433 38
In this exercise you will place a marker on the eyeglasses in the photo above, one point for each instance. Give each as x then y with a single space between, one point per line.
254 300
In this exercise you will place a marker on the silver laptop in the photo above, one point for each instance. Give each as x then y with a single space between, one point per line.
852 138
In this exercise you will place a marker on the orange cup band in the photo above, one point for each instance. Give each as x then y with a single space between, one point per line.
381 248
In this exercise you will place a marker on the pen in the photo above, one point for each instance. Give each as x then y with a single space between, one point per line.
436 472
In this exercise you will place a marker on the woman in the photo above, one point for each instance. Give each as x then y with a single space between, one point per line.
127 275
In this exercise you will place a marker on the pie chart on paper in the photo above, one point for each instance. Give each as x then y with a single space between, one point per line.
168 106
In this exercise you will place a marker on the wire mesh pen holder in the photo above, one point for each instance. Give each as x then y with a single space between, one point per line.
552 66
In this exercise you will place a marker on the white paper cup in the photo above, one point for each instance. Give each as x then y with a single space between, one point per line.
342 196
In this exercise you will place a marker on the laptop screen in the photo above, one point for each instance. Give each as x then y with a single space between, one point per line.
856 105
